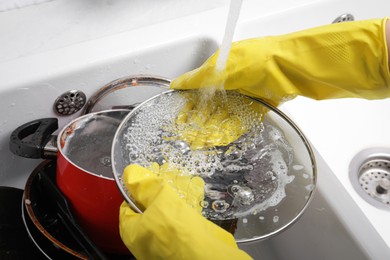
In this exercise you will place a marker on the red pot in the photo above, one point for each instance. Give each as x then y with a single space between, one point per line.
83 172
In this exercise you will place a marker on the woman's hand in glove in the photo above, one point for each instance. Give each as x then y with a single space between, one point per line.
169 228
348 59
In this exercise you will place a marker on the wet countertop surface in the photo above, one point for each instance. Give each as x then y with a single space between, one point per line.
339 130
55 24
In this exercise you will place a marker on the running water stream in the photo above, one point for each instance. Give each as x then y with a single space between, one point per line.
234 13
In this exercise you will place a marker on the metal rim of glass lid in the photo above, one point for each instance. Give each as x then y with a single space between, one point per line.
256 185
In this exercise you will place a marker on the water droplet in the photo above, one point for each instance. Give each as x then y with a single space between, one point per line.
245 195
219 206
133 156
235 188
106 161
182 146
204 204
298 167
233 153
309 187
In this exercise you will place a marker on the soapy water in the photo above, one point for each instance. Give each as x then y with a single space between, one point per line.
248 175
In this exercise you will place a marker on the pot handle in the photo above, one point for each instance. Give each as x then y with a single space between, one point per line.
29 140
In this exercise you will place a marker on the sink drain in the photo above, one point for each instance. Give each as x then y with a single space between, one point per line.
344 18
370 176
70 102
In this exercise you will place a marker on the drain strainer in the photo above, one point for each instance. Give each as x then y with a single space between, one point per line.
70 102
344 18
370 175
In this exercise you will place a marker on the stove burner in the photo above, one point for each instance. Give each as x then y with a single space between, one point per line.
43 222
14 240
47 248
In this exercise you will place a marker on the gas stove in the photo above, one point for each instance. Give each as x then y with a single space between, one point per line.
37 226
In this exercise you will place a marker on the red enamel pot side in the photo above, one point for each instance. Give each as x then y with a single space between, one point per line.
84 176
95 203
82 151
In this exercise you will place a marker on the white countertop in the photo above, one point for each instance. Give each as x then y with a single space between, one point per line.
59 23
339 129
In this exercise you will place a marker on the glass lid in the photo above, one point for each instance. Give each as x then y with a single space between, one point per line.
258 170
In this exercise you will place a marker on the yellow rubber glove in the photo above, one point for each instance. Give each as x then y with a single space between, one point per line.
169 228
347 59
214 122
189 188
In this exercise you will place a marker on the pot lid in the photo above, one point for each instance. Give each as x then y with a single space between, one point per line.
126 92
256 184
